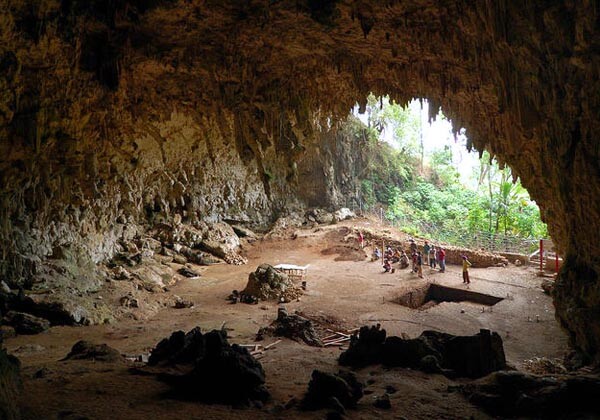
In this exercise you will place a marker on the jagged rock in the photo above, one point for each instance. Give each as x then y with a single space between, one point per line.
26 324
343 214
328 390
4 288
179 348
471 356
292 326
10 385
365 347
383 402
548 286
181 303
84 350
129 301
243 232
320 216
220 239
6 331
188 272
120 273
220 373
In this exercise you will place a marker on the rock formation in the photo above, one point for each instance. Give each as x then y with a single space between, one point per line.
118 115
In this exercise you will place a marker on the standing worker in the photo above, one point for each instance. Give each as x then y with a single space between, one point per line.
420 264
426 249
466 265
361 240
442 259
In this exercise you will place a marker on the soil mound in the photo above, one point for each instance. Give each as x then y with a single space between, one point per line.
345 253
268 283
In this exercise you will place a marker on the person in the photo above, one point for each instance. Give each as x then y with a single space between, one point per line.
442 259
420 264
414 257
387 266
413 246
426 249
396 256
465 271
432 257
403 259
361 240
376 254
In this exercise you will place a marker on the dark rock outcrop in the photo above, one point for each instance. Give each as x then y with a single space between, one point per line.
220 373
25 323
292 326
466 356
84 350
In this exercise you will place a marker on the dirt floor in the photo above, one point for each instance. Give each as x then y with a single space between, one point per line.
343 290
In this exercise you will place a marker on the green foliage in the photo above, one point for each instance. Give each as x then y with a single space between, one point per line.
433 198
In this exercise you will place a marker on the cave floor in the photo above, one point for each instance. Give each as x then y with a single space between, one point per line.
345 293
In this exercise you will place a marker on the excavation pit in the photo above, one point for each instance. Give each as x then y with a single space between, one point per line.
431 294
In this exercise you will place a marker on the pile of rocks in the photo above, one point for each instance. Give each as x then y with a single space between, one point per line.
268 283
292 326
217 372
433 352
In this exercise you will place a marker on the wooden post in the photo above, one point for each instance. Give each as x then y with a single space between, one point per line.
556 262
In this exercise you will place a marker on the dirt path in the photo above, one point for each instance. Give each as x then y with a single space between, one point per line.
350 293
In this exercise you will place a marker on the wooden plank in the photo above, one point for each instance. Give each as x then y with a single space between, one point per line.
272 344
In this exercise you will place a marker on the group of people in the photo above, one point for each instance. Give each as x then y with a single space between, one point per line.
433 256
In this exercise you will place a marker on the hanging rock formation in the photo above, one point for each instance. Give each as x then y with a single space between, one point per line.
118 115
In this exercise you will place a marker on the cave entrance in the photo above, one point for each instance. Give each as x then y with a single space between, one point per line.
432 294
416 170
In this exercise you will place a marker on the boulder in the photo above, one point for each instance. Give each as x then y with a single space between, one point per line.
181 303
343 214
220 373
383 402
548 286
292 326
84 350
26 324
327 390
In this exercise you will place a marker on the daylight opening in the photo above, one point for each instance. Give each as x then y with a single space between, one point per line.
418 174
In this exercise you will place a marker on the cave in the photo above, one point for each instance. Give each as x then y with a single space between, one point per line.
432 294
117 119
